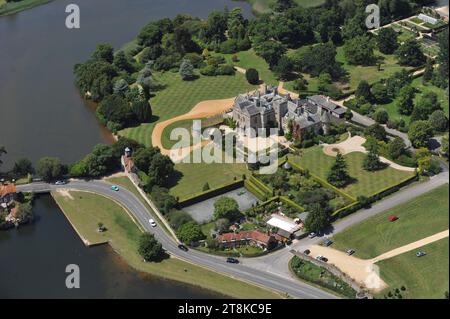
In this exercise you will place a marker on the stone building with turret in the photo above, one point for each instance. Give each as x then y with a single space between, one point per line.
269 109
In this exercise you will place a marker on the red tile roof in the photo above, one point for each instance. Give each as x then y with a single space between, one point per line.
7 189
254 234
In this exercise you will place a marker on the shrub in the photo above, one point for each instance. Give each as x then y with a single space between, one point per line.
252 76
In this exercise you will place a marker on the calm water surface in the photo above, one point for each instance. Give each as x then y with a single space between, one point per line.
41 114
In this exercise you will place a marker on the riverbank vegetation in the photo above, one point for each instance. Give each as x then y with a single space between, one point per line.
14 6
86 210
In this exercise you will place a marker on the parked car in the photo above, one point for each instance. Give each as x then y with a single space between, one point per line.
327 242
392 218
232 260
350 252
321 258
152 222
61 182
307 252
115 188
183 247
312 235
420 253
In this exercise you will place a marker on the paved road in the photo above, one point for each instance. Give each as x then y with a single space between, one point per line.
291 286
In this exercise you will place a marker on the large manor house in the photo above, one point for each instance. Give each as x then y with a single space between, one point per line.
269 109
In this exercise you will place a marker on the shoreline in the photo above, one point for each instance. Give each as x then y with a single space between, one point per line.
13 8
177 270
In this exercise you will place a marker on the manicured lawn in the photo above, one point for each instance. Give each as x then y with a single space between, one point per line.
421 217
123 233
367 183
421 90
179 97
424 277
371 74
249 59
194 177
14 7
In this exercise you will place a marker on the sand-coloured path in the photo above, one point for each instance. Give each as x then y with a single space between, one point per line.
355 144
365 271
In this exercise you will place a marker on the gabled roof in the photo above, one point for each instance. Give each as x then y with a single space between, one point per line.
245 235
7 189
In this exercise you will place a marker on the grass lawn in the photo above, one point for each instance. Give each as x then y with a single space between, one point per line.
14 7
424 277
367 183
194 177
422 89
179 97
421 217
249 59
86 210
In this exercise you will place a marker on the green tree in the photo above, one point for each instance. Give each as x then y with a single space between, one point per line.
381 116
387 40
405 100
359 51
226 207
283 5
419 133
318 219
283 68
143 157
372 160
271 51
122 63
338 175
439 121
252 76
104 52
190 233
2 151
161 168
49 168
410 53
363 90
380 93
428 73
444 145
22 167
120 87
377 131
100 161
142 110
396 147
186 70
442 58
149 248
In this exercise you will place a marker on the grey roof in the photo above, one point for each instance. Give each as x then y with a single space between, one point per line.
323 101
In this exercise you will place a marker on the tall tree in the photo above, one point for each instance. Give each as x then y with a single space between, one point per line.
410 53
387 40
338 175
405 100
318 219
372 160
49 168
149 248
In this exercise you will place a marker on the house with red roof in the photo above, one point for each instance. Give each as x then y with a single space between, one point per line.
252 238
8 194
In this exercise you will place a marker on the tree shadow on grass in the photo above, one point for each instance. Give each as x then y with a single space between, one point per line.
174 179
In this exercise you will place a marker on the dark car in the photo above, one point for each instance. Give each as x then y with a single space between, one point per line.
307 252
327 242
183 247
232 260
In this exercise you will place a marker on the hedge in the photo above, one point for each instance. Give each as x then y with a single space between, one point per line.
290 202
211 193
255 190
264 188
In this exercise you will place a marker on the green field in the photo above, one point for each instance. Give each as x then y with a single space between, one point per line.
14 7
421 90
194 177
421 217
179 97
249 59
86 210
366 183
424 277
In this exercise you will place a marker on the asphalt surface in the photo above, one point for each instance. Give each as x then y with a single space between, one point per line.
291 286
